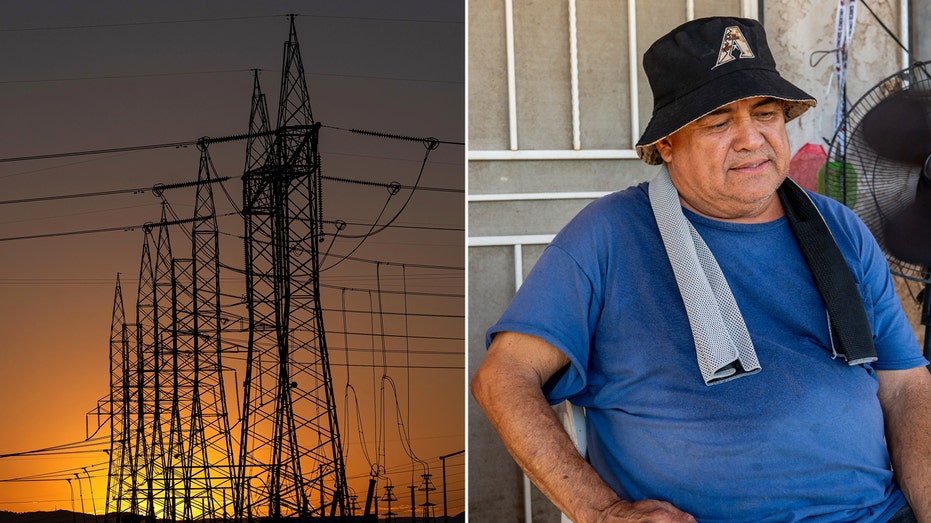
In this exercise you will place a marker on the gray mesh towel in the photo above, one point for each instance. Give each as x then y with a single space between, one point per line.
722 344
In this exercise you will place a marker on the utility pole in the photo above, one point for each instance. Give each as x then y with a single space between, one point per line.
443 461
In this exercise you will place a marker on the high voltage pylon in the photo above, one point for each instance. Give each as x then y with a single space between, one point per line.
290 462
172 456
121 486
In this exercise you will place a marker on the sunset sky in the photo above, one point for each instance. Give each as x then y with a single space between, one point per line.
104 75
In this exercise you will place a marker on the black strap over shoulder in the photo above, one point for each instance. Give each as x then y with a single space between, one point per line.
850 328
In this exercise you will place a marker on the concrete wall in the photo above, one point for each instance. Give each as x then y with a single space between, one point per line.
516 204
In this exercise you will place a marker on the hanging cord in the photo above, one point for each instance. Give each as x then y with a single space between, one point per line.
407 342
402 429
393 189
340 225
382 429
821 54
888 32
360 430
407 354
913 61
362 237
377 466
430 145
346 356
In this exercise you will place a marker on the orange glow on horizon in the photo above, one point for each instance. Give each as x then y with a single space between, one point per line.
174 71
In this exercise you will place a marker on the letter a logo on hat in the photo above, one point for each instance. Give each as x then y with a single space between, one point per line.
733 46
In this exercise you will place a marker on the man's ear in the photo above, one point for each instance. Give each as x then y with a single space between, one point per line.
664 147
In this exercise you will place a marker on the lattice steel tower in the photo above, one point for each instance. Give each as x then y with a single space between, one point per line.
120 479
290 462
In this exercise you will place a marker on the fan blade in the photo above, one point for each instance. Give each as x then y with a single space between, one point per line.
907 232
898 127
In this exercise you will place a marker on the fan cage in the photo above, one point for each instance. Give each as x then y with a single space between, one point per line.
875 188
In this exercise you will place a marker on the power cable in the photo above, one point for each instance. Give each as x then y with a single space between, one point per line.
175 145
121 76
57 475
56 448
396 226
404 264
412 293
221 19
393 136
405 337
221 71
126 228
131 24
430 144
157 188
391 185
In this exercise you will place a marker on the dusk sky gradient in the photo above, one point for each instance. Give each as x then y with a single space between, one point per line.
90 76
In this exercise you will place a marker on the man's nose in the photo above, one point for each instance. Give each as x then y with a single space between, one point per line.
747 134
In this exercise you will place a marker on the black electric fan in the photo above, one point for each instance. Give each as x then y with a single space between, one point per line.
879 165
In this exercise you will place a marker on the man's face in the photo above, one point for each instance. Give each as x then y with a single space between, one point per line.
728 164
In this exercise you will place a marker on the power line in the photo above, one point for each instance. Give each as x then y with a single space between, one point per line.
138 190
157 188
207 140
126 228
162 187
57 448
221 19
396 226
408 293
426 141
120 76
391 185
221 71
175 145
130 24
408 265
390 78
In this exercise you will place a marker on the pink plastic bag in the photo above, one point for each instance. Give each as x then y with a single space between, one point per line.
804 166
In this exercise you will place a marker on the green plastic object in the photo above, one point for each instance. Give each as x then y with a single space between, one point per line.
838 183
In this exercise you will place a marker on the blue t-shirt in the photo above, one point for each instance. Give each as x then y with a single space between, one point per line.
803 439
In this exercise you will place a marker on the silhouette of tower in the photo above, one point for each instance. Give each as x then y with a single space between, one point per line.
207 472
290 462
136 486
155 394
190 470
120 477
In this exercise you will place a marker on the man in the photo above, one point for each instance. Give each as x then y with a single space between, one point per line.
808 377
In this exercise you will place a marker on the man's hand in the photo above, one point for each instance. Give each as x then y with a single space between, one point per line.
508 387
648 511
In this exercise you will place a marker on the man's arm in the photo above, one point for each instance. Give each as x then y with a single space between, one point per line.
905 396
508 385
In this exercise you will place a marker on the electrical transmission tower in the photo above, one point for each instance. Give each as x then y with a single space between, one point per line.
136 483
121 484
290 462
171 452
172 456
199 463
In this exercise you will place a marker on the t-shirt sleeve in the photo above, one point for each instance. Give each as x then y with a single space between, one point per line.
896 346
540 308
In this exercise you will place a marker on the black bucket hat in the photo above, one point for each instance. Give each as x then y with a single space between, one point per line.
705 64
